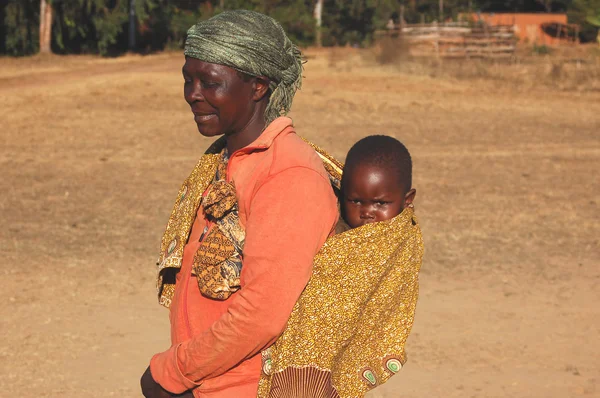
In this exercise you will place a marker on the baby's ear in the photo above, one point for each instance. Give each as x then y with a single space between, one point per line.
409 197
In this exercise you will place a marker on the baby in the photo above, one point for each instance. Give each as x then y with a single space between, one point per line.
376 182
352 320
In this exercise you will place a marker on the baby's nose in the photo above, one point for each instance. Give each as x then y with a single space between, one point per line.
366 213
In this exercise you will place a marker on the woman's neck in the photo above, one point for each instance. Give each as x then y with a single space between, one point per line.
247 135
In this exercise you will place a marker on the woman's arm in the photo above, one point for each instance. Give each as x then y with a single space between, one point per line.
290 217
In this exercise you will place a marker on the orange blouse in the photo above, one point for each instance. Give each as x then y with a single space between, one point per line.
288 209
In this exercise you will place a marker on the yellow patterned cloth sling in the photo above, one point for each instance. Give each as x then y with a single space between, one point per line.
347 332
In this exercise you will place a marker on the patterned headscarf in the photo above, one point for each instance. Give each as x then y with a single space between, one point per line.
252 43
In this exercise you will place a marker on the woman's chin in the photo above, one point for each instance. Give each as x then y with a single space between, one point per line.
208 132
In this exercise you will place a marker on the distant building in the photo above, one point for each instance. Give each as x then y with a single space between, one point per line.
541 29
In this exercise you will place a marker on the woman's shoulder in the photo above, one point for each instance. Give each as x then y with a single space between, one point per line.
291 151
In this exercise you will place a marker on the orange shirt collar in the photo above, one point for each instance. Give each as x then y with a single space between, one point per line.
266 138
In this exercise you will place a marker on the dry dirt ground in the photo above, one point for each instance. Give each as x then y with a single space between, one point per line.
92 152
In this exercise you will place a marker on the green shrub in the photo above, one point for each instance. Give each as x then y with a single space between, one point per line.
541 50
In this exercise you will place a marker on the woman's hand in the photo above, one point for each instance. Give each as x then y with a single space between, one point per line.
151 389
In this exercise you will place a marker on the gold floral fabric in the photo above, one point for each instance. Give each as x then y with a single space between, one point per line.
347 331
218 262
181 220
220 197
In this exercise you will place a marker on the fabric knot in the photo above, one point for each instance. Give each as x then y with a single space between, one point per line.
220 199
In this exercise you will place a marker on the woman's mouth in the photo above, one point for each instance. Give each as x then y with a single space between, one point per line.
203 117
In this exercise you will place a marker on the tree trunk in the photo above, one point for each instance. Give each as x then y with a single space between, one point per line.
317 14
45 26
132 25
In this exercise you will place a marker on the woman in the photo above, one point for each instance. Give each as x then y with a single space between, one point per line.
247 223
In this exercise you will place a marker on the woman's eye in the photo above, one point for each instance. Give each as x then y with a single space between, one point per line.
209 84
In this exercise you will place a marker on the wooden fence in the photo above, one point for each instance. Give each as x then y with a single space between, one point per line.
456 39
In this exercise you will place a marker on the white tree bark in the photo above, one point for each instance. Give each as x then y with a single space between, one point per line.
317 14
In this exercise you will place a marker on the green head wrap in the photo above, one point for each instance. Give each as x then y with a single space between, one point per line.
252 43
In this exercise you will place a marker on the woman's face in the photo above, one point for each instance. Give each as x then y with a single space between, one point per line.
220 99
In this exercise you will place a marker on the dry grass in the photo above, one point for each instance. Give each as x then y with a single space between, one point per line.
567 69
93 151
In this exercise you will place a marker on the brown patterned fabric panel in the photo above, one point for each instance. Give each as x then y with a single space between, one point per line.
307 382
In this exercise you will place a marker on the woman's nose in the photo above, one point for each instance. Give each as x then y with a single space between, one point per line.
194 93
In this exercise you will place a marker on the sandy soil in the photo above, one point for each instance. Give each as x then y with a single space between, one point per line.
92 152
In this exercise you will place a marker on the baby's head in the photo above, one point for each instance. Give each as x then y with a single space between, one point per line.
376 181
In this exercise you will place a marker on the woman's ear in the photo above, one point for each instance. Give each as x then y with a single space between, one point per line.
409 197
261 87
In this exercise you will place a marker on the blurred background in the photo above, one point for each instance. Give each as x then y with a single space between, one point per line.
112 27
498 102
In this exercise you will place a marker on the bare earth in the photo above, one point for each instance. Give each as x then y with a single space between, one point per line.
92 152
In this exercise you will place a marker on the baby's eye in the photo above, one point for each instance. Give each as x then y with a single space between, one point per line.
354 201
381 203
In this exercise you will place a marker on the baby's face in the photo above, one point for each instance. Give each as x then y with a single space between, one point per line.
371 195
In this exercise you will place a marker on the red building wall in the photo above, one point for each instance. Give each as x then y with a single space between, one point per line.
527 26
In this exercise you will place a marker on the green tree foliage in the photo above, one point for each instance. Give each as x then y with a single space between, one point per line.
84 26
19 29
167 22
296 17
348 22
532 6
587 14
101 26
79 26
